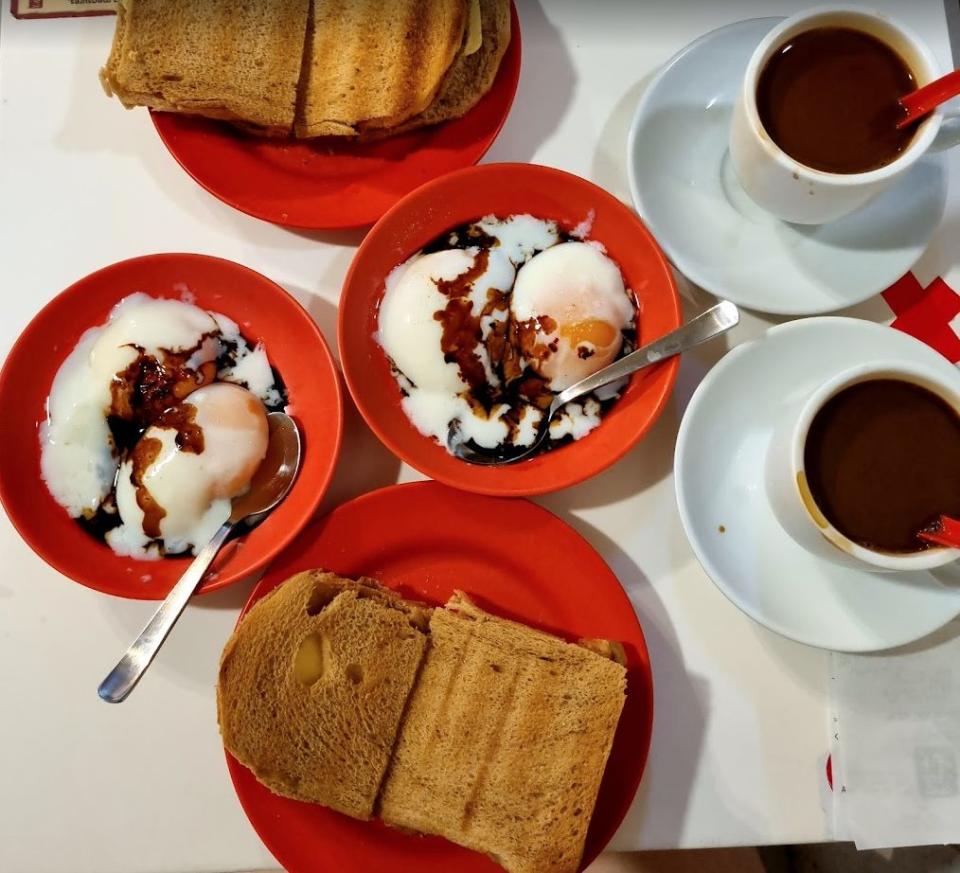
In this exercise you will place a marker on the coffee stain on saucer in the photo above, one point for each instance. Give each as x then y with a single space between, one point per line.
809 503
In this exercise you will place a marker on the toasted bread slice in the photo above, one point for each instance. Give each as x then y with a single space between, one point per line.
313 684
505 740
108 73
469 79
217 58
376 64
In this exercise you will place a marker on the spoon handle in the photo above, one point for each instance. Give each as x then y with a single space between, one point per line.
124 677
716 320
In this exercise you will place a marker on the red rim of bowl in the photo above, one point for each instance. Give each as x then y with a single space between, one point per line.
417 217
320 471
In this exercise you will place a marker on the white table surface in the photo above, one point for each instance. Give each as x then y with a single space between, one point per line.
741 715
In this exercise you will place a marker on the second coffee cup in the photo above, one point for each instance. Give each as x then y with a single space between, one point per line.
815 73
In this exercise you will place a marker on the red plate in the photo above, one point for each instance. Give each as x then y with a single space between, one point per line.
506 189
330 182
516 560
265 312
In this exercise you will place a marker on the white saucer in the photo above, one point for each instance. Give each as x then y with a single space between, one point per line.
720 458
687 193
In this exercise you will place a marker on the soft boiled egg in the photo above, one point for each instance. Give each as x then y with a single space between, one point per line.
571 307
77 460
181 495
409 330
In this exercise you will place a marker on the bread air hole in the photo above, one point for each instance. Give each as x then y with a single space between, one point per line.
354 673
312 659
320 597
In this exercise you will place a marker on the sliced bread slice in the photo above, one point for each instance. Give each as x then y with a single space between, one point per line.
219 58
375 63
108 73
469 79
313 683
505 740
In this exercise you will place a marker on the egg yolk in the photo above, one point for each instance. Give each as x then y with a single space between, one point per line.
598 333
238 413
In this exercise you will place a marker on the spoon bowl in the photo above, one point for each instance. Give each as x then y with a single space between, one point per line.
270 484
276 474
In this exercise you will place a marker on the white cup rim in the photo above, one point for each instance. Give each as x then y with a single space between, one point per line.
929 559
922 140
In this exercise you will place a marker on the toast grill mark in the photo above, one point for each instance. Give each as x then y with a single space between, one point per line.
375 65
470 76
493 744
414 49
392 752
440 715
306 64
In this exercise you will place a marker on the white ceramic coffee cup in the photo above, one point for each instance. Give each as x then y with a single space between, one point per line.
790 494
791 190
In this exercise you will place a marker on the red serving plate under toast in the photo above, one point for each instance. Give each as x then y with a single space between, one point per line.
333 182
513 559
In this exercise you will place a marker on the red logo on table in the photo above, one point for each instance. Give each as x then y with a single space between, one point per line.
36 4
926 313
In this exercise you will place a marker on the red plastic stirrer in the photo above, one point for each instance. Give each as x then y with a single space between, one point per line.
946 534
918 103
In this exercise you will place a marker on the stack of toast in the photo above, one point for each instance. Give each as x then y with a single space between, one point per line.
308 68
443 721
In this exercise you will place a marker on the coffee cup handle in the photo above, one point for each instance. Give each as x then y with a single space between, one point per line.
949 133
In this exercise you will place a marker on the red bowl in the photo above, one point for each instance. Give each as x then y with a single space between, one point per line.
333 182
265 313
505 189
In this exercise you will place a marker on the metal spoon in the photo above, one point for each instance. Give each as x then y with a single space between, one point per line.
713 322
269 486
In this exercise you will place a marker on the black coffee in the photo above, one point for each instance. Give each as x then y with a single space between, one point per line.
828 97
882 461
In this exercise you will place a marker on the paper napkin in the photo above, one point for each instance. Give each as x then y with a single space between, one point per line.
896 744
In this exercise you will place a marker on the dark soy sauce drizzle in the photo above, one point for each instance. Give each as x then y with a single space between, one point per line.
829 98
882 461
151 392
462 335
